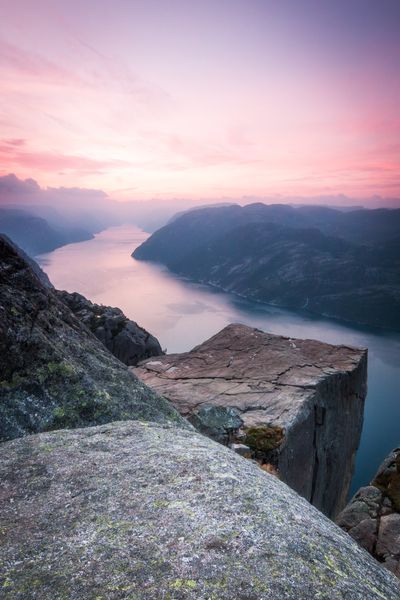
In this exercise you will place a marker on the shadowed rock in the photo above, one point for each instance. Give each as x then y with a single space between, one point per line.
53 372
143 511
297 404
372 517
129 342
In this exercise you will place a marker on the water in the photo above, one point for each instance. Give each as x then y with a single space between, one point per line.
183 314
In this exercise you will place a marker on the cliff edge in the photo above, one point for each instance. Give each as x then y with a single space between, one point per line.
296 404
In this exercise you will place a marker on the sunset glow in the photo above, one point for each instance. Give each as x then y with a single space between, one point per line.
202 99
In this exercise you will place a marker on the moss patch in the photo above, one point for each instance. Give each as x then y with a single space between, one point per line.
264 438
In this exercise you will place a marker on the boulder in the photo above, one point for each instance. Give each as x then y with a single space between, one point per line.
53 372
136 510
129 342
298 404
372 517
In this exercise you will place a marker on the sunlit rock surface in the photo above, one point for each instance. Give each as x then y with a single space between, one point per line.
145 511
297 404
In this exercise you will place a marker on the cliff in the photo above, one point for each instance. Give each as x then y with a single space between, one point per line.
146 511
296 404
372 517
53 372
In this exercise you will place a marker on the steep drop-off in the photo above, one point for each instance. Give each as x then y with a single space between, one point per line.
297 404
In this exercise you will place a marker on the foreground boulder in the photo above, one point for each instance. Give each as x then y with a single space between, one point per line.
129 342
372 517
296 404
53 372
144 511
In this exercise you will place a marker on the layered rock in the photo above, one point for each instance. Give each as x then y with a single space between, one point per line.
372 517
144 511
296 404
129 342
53 372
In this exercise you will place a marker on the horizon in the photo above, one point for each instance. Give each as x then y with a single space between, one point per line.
208 103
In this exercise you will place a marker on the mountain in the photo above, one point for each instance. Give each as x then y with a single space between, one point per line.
53 371
34 234
339 264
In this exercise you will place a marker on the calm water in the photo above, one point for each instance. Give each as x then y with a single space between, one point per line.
182 314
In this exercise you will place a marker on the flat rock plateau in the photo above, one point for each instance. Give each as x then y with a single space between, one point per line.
296 404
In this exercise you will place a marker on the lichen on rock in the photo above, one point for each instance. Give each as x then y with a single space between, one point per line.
137 510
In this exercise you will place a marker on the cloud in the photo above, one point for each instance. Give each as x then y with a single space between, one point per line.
12 185
16 190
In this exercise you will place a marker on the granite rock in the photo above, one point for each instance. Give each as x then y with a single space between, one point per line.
297 403
144 511
54 373
372 517
129 342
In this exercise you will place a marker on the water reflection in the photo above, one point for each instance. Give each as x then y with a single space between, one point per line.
183 314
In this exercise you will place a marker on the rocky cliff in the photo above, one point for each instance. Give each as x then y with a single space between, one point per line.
144 511
372 517
53 372
129 342
296 404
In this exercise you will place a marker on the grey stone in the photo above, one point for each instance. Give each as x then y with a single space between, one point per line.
143 511
53 372
241 449
218 422
300 401
129 342
389 536
372 517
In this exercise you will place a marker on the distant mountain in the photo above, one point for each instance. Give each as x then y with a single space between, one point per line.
339 264
34 234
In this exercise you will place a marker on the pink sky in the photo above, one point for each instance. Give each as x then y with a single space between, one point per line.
208 99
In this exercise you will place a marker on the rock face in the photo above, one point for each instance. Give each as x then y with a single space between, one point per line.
372 517
53 372
129 342
339 264
297 404
146 511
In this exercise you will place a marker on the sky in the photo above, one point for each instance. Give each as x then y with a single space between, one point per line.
202 99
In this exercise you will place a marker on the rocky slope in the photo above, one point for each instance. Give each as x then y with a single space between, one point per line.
144 511
129 342
372 517
53 372
296 404
314 260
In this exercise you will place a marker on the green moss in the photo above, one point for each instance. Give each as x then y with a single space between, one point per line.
264 438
